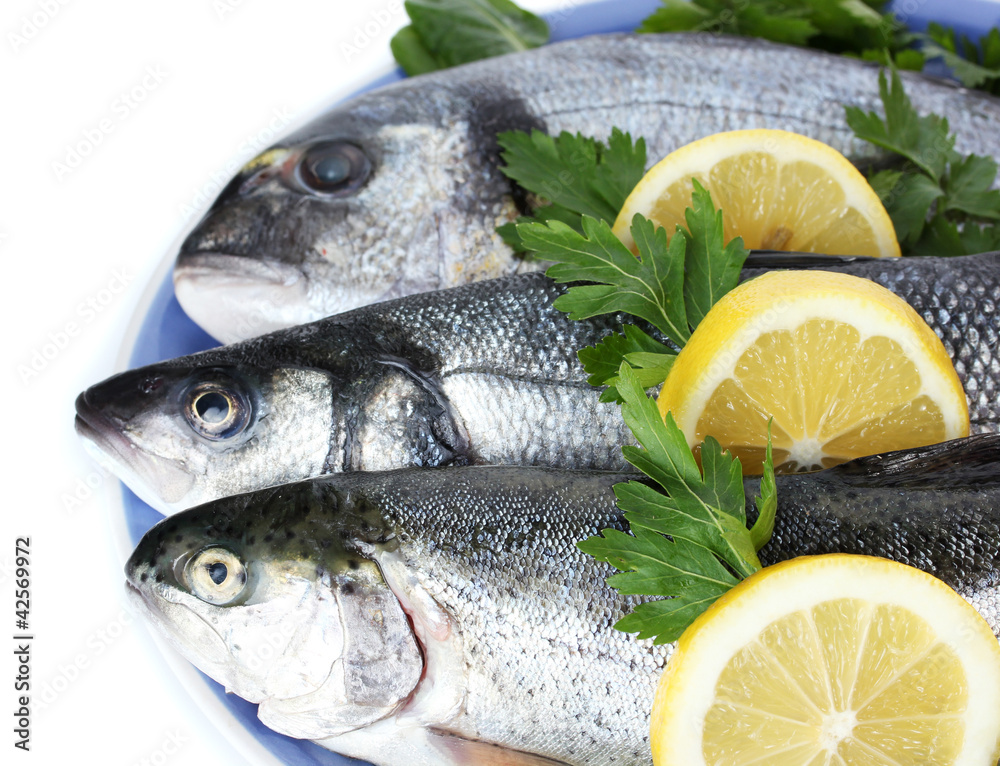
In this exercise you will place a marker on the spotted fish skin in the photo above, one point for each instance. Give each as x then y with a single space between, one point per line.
513 621
423 191
485 373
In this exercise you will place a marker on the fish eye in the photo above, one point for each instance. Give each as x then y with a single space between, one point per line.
217 410
334 168
215 575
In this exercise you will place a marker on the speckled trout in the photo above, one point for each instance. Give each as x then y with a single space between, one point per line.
447 617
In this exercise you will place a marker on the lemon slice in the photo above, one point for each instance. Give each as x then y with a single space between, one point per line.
832 661
845 367
777 190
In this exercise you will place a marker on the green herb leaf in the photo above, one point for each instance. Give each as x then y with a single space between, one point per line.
980 239
445 33
701 511
973 70
766 502
578 175
712 267
652 564
942 237
840 26
650 359
649 287
411 53
936 201
968 187
907 198
924 141
768 20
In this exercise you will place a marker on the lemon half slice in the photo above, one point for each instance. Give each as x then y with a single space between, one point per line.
777 190
832 661
844 366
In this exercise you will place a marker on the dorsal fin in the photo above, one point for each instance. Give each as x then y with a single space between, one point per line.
973 462
777 259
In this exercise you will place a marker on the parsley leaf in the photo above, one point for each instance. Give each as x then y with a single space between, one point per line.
572 174
769 20
712 267
445 33
907 198
857 27
671 286
974 67
924 141
939 197
649 359
650 286
689 538
968 187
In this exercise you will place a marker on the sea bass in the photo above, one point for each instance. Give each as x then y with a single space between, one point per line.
447 616
483 373
399 191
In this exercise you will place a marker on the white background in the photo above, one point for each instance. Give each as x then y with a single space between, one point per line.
78 248
227 70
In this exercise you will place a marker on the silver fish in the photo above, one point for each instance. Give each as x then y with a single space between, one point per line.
447 616
483 373
398 191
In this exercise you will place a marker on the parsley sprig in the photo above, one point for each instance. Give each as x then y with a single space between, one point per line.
688 537
941 202
571 176
669 285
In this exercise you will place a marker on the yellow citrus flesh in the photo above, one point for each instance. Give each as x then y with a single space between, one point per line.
845 368
777 190
832 661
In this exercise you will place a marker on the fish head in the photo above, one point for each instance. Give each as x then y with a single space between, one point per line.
342 214
183 432
255 592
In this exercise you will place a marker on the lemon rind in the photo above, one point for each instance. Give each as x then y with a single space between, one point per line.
784 300
799 584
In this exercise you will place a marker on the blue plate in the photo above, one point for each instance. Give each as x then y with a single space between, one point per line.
166 331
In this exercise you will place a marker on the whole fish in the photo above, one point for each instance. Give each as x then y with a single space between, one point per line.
483 373
447 616
399 191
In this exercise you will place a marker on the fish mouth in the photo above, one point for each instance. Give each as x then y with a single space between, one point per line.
101 439
209 654
111 449
234 297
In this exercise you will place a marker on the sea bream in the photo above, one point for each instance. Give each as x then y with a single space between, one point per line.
483 373
447 617
399 190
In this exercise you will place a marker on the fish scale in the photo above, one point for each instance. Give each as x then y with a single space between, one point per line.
273 252
483 373
513 620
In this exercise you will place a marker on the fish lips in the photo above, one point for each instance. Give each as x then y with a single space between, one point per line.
234 297
105 440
